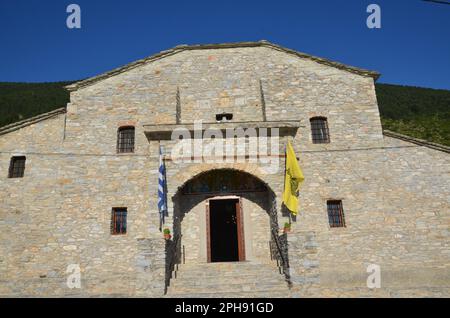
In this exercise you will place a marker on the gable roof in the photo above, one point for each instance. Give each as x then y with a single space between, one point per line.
30 121
417 141
181 48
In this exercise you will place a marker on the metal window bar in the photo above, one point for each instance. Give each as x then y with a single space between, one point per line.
319 130
17 167
119 221
335 214
125 140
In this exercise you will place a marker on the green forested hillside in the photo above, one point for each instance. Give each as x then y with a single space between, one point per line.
23 100
414 111
418 112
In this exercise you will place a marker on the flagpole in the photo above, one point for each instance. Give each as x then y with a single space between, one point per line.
162 188
285 164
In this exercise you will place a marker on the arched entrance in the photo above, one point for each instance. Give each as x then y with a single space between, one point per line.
224 215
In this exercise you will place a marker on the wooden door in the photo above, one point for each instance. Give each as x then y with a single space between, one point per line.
208 233
240 229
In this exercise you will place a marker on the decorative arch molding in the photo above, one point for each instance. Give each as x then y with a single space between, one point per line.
188 174
219 181
257 186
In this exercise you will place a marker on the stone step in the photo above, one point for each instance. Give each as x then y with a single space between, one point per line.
230 279
226 270
200 268
228 265
227 280
228 289
182 274
259 274
252 294
261 284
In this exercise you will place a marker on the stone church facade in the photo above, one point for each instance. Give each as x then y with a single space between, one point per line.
66 184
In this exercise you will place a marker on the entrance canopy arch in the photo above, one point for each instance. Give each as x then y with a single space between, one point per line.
189 173
223 181
197 200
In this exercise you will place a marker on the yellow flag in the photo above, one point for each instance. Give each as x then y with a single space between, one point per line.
292 180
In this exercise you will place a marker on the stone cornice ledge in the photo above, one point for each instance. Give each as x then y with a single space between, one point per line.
163 131
417 141
180 48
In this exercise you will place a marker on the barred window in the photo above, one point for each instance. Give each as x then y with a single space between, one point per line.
17 167
125 139
335 213
319 130
119 221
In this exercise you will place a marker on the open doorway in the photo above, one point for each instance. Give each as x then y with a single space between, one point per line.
225 230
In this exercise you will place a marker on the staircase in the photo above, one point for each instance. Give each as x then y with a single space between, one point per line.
229 280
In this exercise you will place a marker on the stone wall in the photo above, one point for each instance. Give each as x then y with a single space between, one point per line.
395 194
29 208
396 203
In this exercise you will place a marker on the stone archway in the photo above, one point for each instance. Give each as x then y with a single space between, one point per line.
189 213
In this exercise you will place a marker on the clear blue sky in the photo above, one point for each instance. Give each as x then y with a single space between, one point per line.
411 48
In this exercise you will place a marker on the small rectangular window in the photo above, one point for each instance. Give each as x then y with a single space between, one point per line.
17 167
335 213
226 116
119 221
319 130
125 140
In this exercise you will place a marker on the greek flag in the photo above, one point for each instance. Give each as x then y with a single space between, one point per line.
162 198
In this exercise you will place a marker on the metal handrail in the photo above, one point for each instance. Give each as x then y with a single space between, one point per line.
174 260
174 255
284 263
277 243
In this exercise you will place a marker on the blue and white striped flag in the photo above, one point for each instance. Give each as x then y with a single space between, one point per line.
162 197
